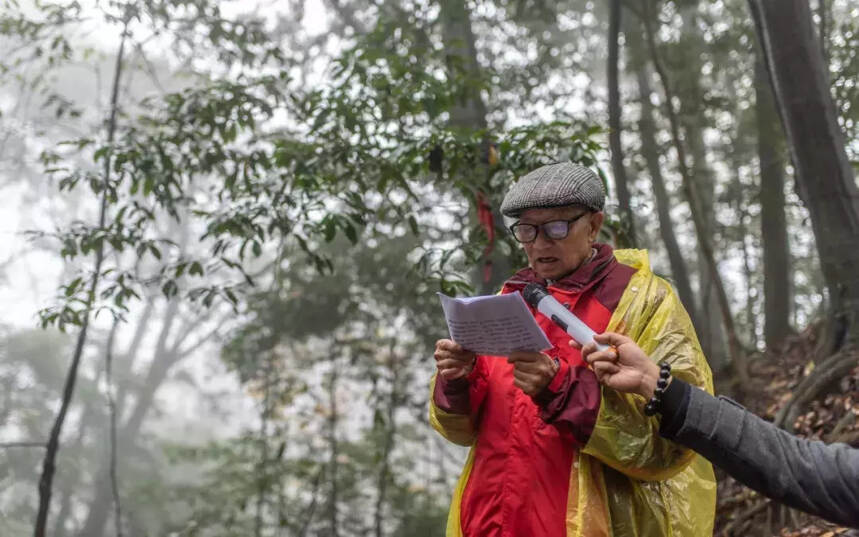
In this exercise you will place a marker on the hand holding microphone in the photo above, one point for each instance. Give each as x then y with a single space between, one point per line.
623 367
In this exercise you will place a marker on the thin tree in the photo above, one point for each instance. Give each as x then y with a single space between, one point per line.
390 429
48 465
650 152
334 446
111 404
776 252
689 189
614 122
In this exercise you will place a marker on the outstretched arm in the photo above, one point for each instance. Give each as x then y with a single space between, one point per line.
809 475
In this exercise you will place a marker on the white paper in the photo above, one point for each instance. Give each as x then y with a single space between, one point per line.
494 325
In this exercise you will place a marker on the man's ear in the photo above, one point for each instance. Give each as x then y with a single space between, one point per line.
596 220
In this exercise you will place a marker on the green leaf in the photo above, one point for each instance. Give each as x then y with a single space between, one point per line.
196 269
72 287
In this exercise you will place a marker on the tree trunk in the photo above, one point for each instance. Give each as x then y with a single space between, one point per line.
615 127
262 466
823 174
698 217
692 122
114 481
390 434
741 203
53 445
776 252
468 113
333 462
650 152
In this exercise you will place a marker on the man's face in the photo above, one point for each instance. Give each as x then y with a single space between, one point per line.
555 258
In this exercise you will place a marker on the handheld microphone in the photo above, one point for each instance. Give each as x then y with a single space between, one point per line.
539 297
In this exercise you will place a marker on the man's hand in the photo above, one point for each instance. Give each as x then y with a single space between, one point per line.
624 367
452 360
532 371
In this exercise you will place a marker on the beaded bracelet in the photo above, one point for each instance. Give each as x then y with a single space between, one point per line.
653 406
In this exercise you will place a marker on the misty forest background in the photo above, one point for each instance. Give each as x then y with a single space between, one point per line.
224 225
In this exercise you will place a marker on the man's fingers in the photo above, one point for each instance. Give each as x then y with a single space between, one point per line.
588 348
575 344
452 373
465 357
534 368
525 376
525 386
605 369
449 363
519 356
448 345
608 355
612 338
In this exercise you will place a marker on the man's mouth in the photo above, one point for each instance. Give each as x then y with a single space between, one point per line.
546 259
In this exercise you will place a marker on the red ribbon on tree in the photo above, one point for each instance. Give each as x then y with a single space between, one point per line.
487 222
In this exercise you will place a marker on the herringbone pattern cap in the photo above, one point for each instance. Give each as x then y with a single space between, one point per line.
555 185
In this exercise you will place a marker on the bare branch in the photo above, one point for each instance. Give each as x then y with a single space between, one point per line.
4 445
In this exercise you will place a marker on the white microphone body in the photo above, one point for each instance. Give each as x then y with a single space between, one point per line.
546 304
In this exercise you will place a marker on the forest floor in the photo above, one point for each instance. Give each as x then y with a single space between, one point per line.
834 417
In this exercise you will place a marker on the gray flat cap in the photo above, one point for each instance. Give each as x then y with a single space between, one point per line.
555 185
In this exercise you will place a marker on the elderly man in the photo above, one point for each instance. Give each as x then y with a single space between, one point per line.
552 454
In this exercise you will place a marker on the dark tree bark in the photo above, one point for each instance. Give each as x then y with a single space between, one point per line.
615 127
822 30
53 445
825 180
776 252
469 110
740 206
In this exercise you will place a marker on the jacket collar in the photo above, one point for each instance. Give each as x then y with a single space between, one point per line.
578 281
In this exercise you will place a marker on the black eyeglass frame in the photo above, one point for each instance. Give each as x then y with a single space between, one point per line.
538 227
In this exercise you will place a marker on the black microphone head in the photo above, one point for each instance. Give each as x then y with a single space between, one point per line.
534 293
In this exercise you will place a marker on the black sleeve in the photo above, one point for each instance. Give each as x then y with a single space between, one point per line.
673 411
808 475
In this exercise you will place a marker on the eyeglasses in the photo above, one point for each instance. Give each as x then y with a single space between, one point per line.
554 229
